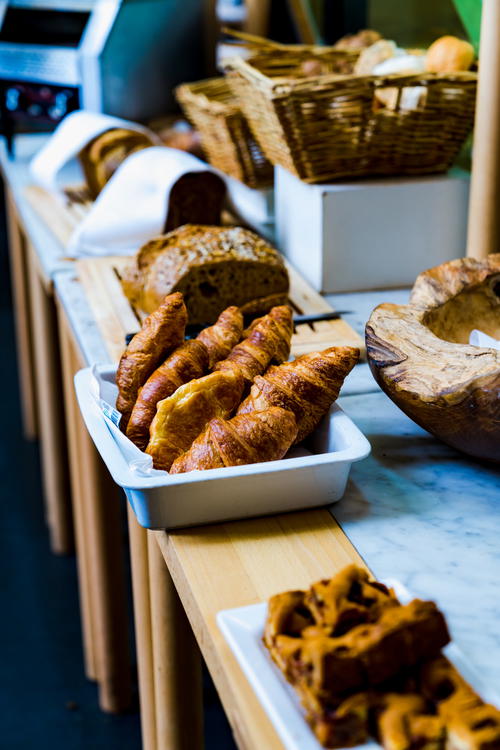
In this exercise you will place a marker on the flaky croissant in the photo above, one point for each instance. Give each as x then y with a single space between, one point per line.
181 417
188 361
247 439
307 386
268 339
223 335
161 333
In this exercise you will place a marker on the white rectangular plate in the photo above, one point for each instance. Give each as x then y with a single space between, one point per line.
243 629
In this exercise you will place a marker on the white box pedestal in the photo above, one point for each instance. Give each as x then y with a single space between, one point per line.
370 234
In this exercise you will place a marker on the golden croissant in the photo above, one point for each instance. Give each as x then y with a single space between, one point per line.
181 417
307 386
223 335
161 333
268 339
245 439
188 361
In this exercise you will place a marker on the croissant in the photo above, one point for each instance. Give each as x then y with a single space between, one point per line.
268 339
188 361
161 332
181 417
247 439
223 335
307 386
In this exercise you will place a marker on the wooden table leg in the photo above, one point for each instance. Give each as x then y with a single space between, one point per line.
176 660
100 554
48 386
138 542
81 534
20 296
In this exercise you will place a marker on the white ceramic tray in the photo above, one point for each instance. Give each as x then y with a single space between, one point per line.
313 477
243 628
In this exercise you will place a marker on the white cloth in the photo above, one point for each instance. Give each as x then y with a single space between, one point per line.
68 139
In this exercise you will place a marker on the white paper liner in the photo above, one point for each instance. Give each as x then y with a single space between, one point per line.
478 338
74 132
104 393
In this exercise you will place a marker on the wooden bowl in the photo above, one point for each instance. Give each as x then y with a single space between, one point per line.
419 355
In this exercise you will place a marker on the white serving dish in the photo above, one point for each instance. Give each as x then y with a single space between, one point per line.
243 629
165 501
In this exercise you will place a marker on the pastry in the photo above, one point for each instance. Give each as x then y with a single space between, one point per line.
190 360
268 339
448 54
247 439
307 386
160 334
406 722
103 155
213 267
367 655
348 599
360 40
181 417
345 725
220 338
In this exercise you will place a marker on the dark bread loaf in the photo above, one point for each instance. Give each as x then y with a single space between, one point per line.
103 155
213 267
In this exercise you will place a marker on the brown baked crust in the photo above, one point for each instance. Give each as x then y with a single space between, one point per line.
188 361
102 156
268 339
406 722
181 417
247 439
220 338
161 333
195 198
213 267
307 386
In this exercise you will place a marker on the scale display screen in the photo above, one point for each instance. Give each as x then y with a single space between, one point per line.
57 28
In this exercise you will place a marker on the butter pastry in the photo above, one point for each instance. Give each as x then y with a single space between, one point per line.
187 362
160 334
182 416
220 338
268 339
307 386
247 439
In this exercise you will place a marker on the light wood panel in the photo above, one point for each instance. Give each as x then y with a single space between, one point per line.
20 298
483 236
100 554
115 317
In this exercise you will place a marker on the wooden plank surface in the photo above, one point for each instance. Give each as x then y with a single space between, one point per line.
245 562
115 317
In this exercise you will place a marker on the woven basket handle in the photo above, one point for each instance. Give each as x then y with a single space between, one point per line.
252 40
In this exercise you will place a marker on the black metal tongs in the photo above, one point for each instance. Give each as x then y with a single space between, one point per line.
193 329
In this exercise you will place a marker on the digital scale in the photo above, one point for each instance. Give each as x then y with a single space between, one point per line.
121 57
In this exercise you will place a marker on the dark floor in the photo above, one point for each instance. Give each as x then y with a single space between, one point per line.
45 700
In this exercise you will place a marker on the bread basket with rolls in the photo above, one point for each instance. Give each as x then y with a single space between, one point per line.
176 417
375 116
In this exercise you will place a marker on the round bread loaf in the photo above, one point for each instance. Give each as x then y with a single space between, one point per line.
213 267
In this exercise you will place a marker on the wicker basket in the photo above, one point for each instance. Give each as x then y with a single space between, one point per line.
225 135
329 126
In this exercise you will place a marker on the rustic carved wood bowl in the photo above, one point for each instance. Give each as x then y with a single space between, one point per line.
420 356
